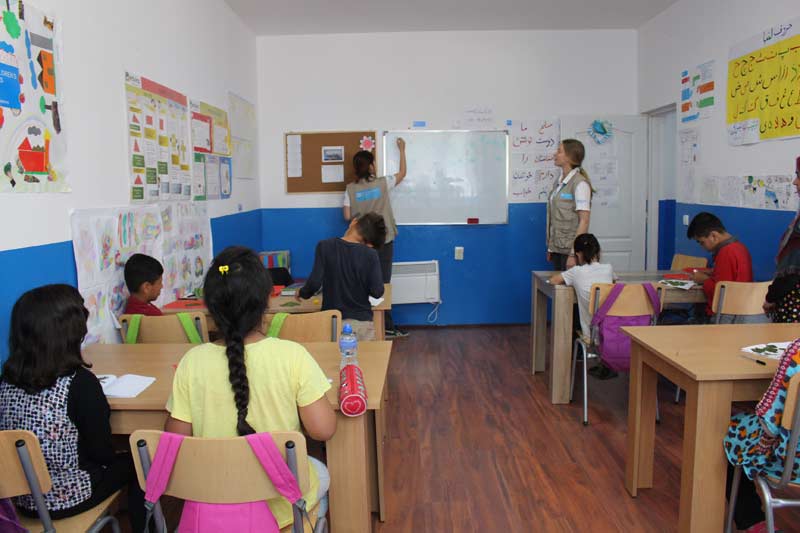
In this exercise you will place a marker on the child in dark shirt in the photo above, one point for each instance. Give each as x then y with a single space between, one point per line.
48 389
349 272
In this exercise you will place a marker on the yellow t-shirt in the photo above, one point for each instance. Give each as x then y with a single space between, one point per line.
282 376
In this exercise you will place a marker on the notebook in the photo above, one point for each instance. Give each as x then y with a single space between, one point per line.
127 386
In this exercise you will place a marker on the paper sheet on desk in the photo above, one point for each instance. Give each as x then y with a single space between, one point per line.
127 386
375 302
677 284
770 350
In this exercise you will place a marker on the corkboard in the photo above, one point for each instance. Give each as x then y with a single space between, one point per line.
311 151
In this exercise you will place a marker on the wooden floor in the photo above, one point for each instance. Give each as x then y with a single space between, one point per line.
475 445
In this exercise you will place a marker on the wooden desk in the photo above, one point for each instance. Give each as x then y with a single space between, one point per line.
286 304
355 453
706 362
563 299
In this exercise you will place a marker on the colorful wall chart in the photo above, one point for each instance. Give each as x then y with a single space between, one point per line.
32 142
763 98
158 136
178 234
697 92
533 148
217 138
212 171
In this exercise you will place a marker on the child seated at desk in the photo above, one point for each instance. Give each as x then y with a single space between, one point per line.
730 258
349 271
48 389
144 278
247 383
586 273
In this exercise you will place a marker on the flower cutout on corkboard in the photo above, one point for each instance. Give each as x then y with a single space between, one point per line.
367 143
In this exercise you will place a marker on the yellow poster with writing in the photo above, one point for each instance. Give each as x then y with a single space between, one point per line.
763 93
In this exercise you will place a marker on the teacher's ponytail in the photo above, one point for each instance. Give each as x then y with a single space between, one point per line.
576 153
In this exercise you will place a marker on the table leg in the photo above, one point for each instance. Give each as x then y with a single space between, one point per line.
561 354
348 465
538 327
379 322
641 422
704 468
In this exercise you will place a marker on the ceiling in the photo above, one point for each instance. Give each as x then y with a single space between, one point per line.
288 17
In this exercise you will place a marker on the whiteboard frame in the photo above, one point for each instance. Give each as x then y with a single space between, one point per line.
508 166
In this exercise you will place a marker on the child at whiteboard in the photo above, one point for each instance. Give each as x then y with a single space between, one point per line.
367 193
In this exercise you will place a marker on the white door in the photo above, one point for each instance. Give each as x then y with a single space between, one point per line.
617 168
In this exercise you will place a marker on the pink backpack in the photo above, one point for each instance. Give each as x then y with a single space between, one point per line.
613 345
198 517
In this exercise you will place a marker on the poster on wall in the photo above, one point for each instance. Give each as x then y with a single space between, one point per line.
178 234
762 91
532 171
32 141
242 117
773 192
158 141
213 131
697 92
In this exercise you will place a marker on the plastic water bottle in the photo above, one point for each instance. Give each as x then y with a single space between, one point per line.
352 388
348 347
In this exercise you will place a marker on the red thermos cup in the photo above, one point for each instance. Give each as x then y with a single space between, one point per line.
352 391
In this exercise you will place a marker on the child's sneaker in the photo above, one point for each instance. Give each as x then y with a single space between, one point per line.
395 333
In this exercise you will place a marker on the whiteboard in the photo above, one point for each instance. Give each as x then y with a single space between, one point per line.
453 175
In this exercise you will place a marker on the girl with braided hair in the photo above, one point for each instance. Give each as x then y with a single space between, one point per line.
247 383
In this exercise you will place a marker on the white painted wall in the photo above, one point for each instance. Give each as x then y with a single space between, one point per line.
386 81
692 32
199 47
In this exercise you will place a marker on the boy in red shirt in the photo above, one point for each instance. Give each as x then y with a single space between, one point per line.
730 257
143 276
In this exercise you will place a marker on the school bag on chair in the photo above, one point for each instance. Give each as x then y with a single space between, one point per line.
612 344
252 517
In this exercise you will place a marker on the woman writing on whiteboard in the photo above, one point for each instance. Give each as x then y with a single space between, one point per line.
367 193
568 205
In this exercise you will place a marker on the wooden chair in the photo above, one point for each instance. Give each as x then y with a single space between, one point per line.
680 261
766 484
165 329
738 298
322 326
24 472
224 471
632 301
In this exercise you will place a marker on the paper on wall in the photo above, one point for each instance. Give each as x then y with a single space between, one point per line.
332 173
212 177
244 165
294 156
533 144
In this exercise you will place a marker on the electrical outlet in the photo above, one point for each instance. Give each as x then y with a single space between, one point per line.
685 220
459 254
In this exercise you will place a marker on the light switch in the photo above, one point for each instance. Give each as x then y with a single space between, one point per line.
459 255
685 220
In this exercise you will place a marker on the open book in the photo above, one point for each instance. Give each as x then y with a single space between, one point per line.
127 386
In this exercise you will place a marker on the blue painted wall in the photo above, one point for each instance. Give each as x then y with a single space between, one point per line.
242 229
666 233
26 268
759 229
490 286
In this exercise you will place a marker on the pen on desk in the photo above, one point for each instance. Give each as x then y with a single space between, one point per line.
756 361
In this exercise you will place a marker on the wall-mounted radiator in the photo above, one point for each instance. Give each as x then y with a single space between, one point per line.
415 282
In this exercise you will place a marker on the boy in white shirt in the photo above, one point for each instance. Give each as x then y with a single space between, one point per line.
586 273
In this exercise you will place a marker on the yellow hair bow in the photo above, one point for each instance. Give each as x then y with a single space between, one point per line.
224 269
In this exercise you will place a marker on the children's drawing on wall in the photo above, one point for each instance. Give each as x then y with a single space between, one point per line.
32 142
103 240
